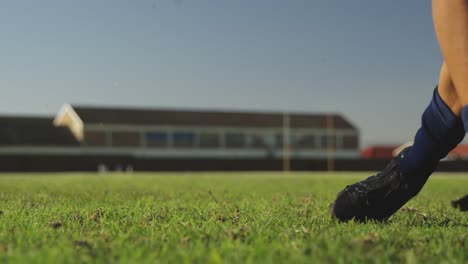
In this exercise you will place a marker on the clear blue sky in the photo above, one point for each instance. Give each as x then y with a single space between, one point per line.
376 62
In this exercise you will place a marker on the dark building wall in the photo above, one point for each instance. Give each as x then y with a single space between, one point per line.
44 163
32 131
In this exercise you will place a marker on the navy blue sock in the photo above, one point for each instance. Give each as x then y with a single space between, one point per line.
464 116
440 132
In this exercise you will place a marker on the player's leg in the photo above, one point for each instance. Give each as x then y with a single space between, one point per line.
441 129
448 92
451 26
380 196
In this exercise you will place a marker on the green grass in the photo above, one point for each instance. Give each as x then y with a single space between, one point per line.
218 218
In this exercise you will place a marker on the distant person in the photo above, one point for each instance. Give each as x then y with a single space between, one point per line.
444 124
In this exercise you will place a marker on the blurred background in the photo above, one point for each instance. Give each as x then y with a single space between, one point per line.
213 85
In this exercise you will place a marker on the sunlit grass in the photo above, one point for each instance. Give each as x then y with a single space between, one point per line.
218 218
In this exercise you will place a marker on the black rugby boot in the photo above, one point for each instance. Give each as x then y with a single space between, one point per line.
462 204
379 196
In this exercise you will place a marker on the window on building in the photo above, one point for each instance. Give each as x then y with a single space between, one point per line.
258 141
323 142
182 139
338 143
326 141
278 141
209 140
235 140
95 138
125 139
305 142
350 142
156 139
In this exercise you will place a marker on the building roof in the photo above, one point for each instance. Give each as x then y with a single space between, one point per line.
33 131
126 116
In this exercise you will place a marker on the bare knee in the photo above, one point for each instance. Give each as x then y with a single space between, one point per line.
448 92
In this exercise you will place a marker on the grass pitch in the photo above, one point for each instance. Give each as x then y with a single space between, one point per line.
218 218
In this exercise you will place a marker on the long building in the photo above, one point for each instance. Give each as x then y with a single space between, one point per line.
175 133
179 135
